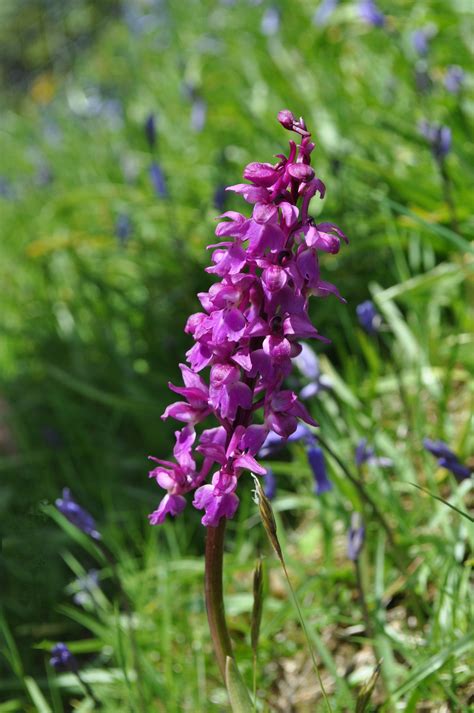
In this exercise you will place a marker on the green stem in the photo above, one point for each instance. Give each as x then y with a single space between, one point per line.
214 595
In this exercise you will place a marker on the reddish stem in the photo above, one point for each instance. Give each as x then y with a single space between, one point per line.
214 595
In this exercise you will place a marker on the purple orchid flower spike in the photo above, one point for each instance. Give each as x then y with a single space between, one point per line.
76 515
247 334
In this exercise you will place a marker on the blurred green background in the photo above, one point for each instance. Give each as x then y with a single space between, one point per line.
99 271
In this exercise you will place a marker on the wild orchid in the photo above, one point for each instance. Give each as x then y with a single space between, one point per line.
245 338
248 333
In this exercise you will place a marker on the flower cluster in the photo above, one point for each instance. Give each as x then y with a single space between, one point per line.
248 332
62 659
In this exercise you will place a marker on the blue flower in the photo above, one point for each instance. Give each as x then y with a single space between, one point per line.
270 22
369 318
62 659
318 466
308 364
419 40
324 12
77 515
454 79
370 13
356 537
269 484
158 180
123 228
366 454
198 114
439 138
150 131
447 459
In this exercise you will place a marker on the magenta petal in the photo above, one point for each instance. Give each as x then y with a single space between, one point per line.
262 174
253 438
252 194
240 395
247 461
170 505
181 411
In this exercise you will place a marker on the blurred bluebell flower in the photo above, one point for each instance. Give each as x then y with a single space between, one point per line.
308 364
198 114
369 319
84 588
420 40
123 228
150 130
158 180
269 484
274 442
76 515
62 659
318 466
370 13
356 537
324 11
220 195
439 138
5 188
447 458
366 454
454 79
270 21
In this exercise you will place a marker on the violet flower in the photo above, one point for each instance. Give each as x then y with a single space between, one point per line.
370 13
324 11
269 484
447 459
316 461
62 659
420 40
356 537
366 454
76 515
438 137
248 332
454 79
198 114
123 228
270 21
308 364
150 131
158 180
369 319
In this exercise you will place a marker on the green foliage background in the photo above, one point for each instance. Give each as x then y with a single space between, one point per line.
91 332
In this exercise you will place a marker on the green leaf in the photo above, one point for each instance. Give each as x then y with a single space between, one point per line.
238 694
36 696
433 664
